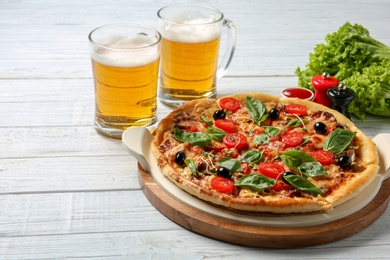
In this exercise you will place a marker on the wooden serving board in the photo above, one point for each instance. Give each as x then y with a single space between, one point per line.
258 236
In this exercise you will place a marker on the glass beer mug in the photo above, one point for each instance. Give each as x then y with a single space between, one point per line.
125 63
191 36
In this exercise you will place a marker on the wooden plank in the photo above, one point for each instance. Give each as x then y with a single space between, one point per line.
46 90
68 174
48 214
174 244
33 142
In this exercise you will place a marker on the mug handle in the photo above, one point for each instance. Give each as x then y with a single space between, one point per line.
231 47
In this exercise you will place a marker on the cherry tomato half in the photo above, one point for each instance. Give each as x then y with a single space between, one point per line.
222 184
271 170
296 109
292 139
229 104
235 140
323 157
226 125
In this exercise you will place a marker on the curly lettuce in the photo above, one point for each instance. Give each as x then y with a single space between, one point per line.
372 90
357 60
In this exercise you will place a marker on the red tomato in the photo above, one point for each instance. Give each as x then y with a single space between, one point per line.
271 170
296 109
229 104
235 140
280 185
222 184
226 125
323 157
292 139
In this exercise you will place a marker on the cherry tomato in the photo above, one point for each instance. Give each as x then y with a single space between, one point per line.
323 157
235 140
296 109
271 170
292 139
226 125
280 185
222 184
229 104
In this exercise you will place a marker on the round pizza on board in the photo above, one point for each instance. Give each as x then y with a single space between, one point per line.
260 153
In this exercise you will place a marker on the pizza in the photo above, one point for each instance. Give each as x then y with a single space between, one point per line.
260 153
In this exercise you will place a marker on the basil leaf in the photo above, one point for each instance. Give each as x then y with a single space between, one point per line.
261 139
303 163
272 131
194 138
229 163
311 169
256 109
193 168
338 140
302 184
216 134
252 156
297 122
255 182
294 123
207 122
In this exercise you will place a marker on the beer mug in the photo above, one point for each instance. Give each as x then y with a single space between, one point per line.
125 63
190 51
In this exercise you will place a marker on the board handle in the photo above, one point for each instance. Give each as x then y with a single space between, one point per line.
136 140
382 142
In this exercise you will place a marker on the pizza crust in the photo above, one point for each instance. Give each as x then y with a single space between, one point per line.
367 153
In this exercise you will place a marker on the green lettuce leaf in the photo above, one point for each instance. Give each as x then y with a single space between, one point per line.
357 60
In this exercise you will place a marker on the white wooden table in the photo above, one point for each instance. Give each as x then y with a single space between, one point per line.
68 193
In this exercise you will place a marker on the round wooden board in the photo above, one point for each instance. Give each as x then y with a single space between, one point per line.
258 236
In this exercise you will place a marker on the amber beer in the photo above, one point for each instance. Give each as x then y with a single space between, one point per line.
188 70
126 77
190 52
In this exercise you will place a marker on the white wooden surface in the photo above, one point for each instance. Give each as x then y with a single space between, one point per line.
68 193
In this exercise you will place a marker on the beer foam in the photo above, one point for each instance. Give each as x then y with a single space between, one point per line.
193 28
126 52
